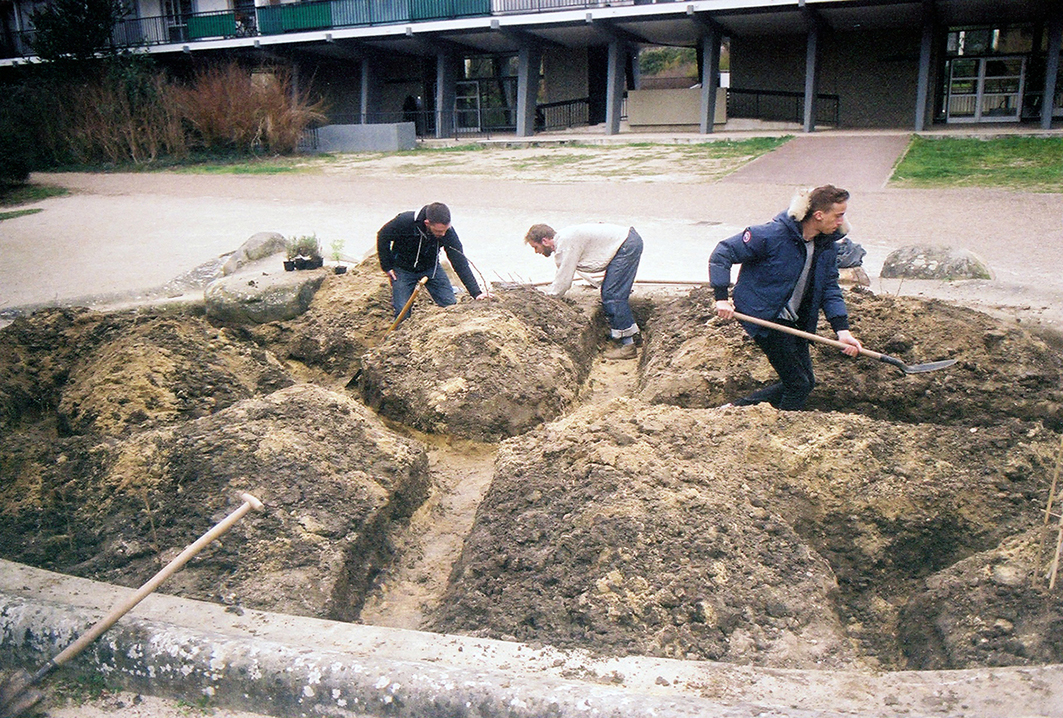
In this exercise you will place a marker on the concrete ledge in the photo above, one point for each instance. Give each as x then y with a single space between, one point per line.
367 138
292 666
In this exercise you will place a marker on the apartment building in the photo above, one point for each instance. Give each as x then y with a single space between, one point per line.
525 66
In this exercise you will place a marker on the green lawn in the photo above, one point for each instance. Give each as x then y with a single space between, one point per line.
1026 163
26 193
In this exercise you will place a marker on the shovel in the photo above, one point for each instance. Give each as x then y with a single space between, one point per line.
17 692
402 315
917 369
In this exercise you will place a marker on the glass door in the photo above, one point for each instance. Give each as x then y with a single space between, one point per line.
985 89
467 106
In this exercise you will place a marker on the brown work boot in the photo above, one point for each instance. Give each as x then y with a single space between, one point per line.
624 351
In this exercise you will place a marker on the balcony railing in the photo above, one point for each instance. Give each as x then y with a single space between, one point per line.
301 16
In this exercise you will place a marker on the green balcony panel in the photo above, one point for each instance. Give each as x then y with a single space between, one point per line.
221 24
382 12
270 20
346 13
306 16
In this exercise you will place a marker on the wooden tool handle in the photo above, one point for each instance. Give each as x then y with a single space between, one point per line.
249 503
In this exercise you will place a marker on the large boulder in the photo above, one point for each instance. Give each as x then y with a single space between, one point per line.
483 370
747 535
259 246
255 297
335 481
933 262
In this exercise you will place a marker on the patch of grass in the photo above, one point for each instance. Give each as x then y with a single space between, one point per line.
26 193
18 213
80 690
1028 163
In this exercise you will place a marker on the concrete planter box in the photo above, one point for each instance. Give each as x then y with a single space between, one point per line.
671 110
367 138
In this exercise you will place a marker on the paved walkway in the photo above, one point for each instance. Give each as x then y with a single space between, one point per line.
856 162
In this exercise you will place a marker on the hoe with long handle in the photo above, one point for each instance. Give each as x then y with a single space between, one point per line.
17 694
893 361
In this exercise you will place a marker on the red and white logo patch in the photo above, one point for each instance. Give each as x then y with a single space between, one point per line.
746 236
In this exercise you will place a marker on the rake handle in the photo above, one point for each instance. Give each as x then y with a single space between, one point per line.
249 503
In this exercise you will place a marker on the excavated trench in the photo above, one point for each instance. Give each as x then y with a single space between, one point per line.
487 475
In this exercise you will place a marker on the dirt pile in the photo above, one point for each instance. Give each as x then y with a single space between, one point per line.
1002 371
127 435
747 535
889 526
348 315
482 370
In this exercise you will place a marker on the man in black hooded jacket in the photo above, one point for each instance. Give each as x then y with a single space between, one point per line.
408 247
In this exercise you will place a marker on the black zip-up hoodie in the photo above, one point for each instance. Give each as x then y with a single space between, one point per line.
405 243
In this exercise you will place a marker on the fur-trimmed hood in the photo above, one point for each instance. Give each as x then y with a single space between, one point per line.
799 208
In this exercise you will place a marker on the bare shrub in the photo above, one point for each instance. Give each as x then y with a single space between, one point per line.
124 117
231 109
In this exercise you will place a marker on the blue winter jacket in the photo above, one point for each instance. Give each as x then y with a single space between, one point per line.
772 256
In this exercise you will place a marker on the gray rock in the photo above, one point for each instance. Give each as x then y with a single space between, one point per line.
259 246
257 298
928 262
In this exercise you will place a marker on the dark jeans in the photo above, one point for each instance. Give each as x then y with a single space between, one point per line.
790 358
438 286
616 287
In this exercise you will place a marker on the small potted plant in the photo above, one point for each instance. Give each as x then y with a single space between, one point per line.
307 252
291 252
337 253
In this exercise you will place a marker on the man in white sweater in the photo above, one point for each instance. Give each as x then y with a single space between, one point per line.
592 248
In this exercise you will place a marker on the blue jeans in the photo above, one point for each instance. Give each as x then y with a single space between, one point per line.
438 286
616 287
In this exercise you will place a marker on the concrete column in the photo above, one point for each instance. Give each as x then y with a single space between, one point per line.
369 93
446 92
710 77
529 58
614 87
811 53
926 46
1055 33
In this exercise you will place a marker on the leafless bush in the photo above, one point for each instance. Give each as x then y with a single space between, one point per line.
122 119
231 109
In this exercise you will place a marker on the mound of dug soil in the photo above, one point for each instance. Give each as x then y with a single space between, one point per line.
482 370
126 436
698 361
747 535
349 314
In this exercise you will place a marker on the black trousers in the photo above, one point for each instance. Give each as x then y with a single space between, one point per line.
790 358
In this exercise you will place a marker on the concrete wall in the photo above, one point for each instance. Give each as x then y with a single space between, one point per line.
367 138
564 74
873 73
674 110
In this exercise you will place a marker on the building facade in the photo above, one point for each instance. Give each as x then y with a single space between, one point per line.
525 66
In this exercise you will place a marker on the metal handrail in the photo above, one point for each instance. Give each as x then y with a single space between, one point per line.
781 106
